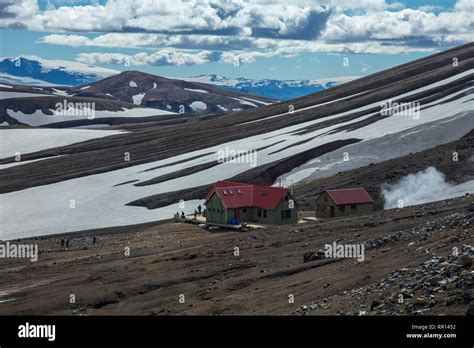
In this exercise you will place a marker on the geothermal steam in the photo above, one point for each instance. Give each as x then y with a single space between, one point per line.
425 186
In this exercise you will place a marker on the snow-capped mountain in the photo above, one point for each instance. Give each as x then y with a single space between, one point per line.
24 80
56 72
131 96
172 95
271 88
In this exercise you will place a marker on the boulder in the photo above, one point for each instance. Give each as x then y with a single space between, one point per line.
313 255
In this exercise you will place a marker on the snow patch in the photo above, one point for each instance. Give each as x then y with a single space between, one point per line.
244 102
13 140
196 90
60 92
11 95
198 106
137 98
39 118
257 101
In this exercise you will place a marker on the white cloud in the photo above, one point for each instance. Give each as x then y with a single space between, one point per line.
158 58
21 10
464 5
67 40
200 31
395 25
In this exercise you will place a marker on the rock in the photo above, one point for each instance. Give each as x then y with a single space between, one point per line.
421 301
435 279
471 206
465 297
374 305
465 261
451 269
470 310
313 255
449 301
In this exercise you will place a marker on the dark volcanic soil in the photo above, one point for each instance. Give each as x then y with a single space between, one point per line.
174 259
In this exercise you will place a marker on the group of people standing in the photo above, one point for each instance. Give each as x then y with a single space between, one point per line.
64 244
182 217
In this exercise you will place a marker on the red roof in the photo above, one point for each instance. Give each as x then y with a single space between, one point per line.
222 183
237 195
349 196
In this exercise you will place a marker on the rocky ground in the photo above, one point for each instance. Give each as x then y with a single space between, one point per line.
418 261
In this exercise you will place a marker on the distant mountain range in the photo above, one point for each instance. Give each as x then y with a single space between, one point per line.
35 71
56 72
270 88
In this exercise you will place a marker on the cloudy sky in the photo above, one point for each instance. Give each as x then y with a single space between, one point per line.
236 38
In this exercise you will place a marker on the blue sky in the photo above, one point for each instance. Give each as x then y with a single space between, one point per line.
302 40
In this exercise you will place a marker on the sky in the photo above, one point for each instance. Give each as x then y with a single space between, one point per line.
299 39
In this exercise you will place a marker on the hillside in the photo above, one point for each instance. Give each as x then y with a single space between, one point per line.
373 176
408 251
171 95
177 159
128 97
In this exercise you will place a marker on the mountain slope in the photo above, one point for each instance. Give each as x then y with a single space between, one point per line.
179 160
59 107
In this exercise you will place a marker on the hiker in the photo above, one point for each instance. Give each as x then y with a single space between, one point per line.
93 240
67 244
62 244
183 217
199 209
